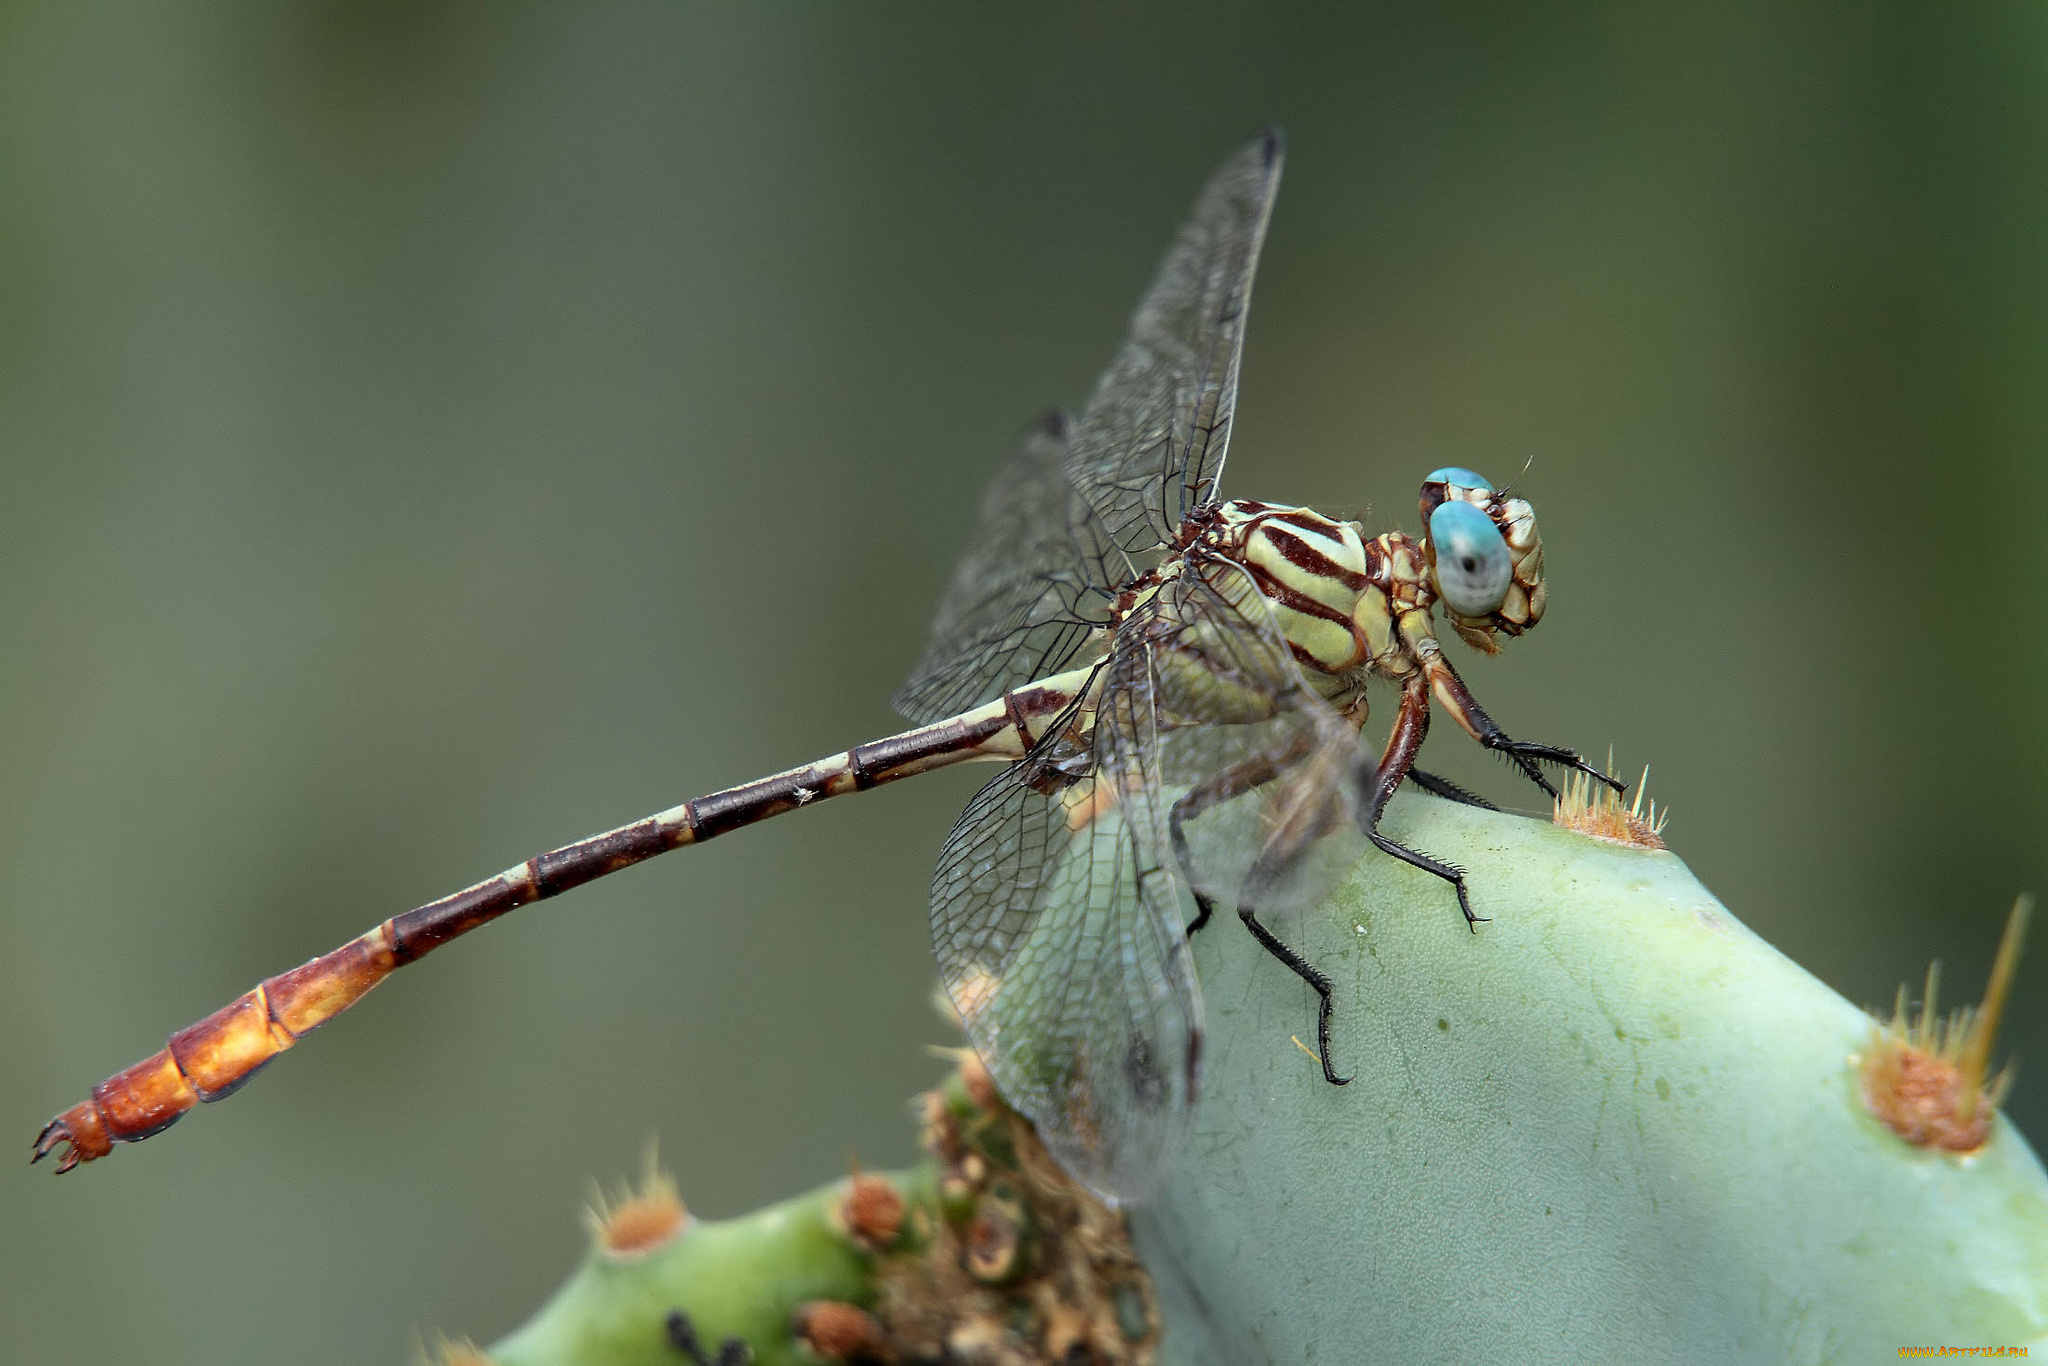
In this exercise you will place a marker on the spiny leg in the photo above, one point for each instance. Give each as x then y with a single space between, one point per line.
1285 844
1411 724
1235 781
1301 968
1523 754
1213 791
1444 787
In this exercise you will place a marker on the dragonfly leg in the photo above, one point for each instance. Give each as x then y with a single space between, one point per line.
1411 724
682 1335
1176 822
1212 791
1300 968
1277 851
1428 782
1465 710
1235 781
1444 787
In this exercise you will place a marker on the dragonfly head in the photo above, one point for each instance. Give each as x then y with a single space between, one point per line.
1485 559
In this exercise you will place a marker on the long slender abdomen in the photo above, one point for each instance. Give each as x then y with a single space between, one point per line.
211 1058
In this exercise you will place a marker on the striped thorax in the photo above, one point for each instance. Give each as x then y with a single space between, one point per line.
1313 570
1349 605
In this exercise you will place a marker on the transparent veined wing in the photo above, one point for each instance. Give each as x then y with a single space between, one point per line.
1150 444
1059 935
1255 778
1057 912
1035 584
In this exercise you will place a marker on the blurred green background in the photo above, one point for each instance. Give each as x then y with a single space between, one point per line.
429 432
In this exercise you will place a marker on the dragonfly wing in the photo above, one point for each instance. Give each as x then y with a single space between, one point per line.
1150 444
1263 769
1059 935
1035 584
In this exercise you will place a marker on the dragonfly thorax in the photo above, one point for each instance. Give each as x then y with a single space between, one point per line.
1314 571
1349 605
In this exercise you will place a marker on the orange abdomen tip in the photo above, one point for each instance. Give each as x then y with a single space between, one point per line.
210 1059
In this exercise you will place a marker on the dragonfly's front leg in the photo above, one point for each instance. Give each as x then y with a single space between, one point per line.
1411 724
1458 701
1444 787
1429 782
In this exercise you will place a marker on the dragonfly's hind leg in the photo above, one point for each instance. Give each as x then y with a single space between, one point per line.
1232 782
1523 754
1301 968
1213 791
1277 850
1411 724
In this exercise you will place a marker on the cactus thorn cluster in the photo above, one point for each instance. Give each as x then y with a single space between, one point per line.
1597 810
1928 1076
986 1254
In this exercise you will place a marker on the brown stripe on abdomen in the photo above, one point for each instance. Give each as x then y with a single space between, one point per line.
419 932
900 756
622 848
737 806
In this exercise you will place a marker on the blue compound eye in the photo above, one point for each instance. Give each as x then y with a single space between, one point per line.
1473 568
1459 475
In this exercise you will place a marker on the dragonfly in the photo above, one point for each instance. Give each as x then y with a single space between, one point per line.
1176 687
